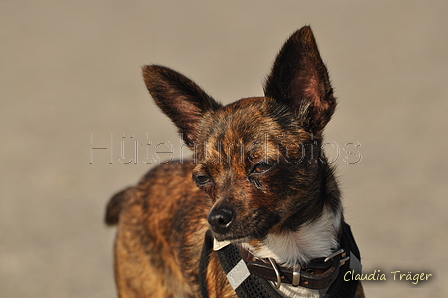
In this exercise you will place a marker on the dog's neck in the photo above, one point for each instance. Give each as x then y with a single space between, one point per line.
312 240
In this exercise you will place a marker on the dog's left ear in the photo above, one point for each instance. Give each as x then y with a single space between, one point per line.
300 79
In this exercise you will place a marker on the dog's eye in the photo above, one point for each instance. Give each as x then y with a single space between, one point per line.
261 167
201 180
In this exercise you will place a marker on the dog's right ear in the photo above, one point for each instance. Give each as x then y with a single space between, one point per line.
179 98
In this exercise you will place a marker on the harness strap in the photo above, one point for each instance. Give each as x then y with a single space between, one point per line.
252 286
207 248
341 288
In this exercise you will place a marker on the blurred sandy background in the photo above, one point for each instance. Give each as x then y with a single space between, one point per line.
70 81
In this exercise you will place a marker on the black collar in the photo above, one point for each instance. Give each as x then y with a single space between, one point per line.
249 276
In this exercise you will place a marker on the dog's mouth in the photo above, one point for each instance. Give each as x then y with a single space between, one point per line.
227 239
240 235
253 227
218 244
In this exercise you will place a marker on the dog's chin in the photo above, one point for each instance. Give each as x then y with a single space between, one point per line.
241 232
233 237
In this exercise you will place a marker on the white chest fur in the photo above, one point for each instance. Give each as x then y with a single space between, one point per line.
312 240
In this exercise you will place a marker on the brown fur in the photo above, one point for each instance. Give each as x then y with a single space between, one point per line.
258 157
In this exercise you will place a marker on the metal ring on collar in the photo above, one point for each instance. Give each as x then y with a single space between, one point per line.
277 273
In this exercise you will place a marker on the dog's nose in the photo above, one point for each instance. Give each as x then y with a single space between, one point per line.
221 219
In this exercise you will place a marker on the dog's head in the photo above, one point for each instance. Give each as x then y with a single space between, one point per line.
259 159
